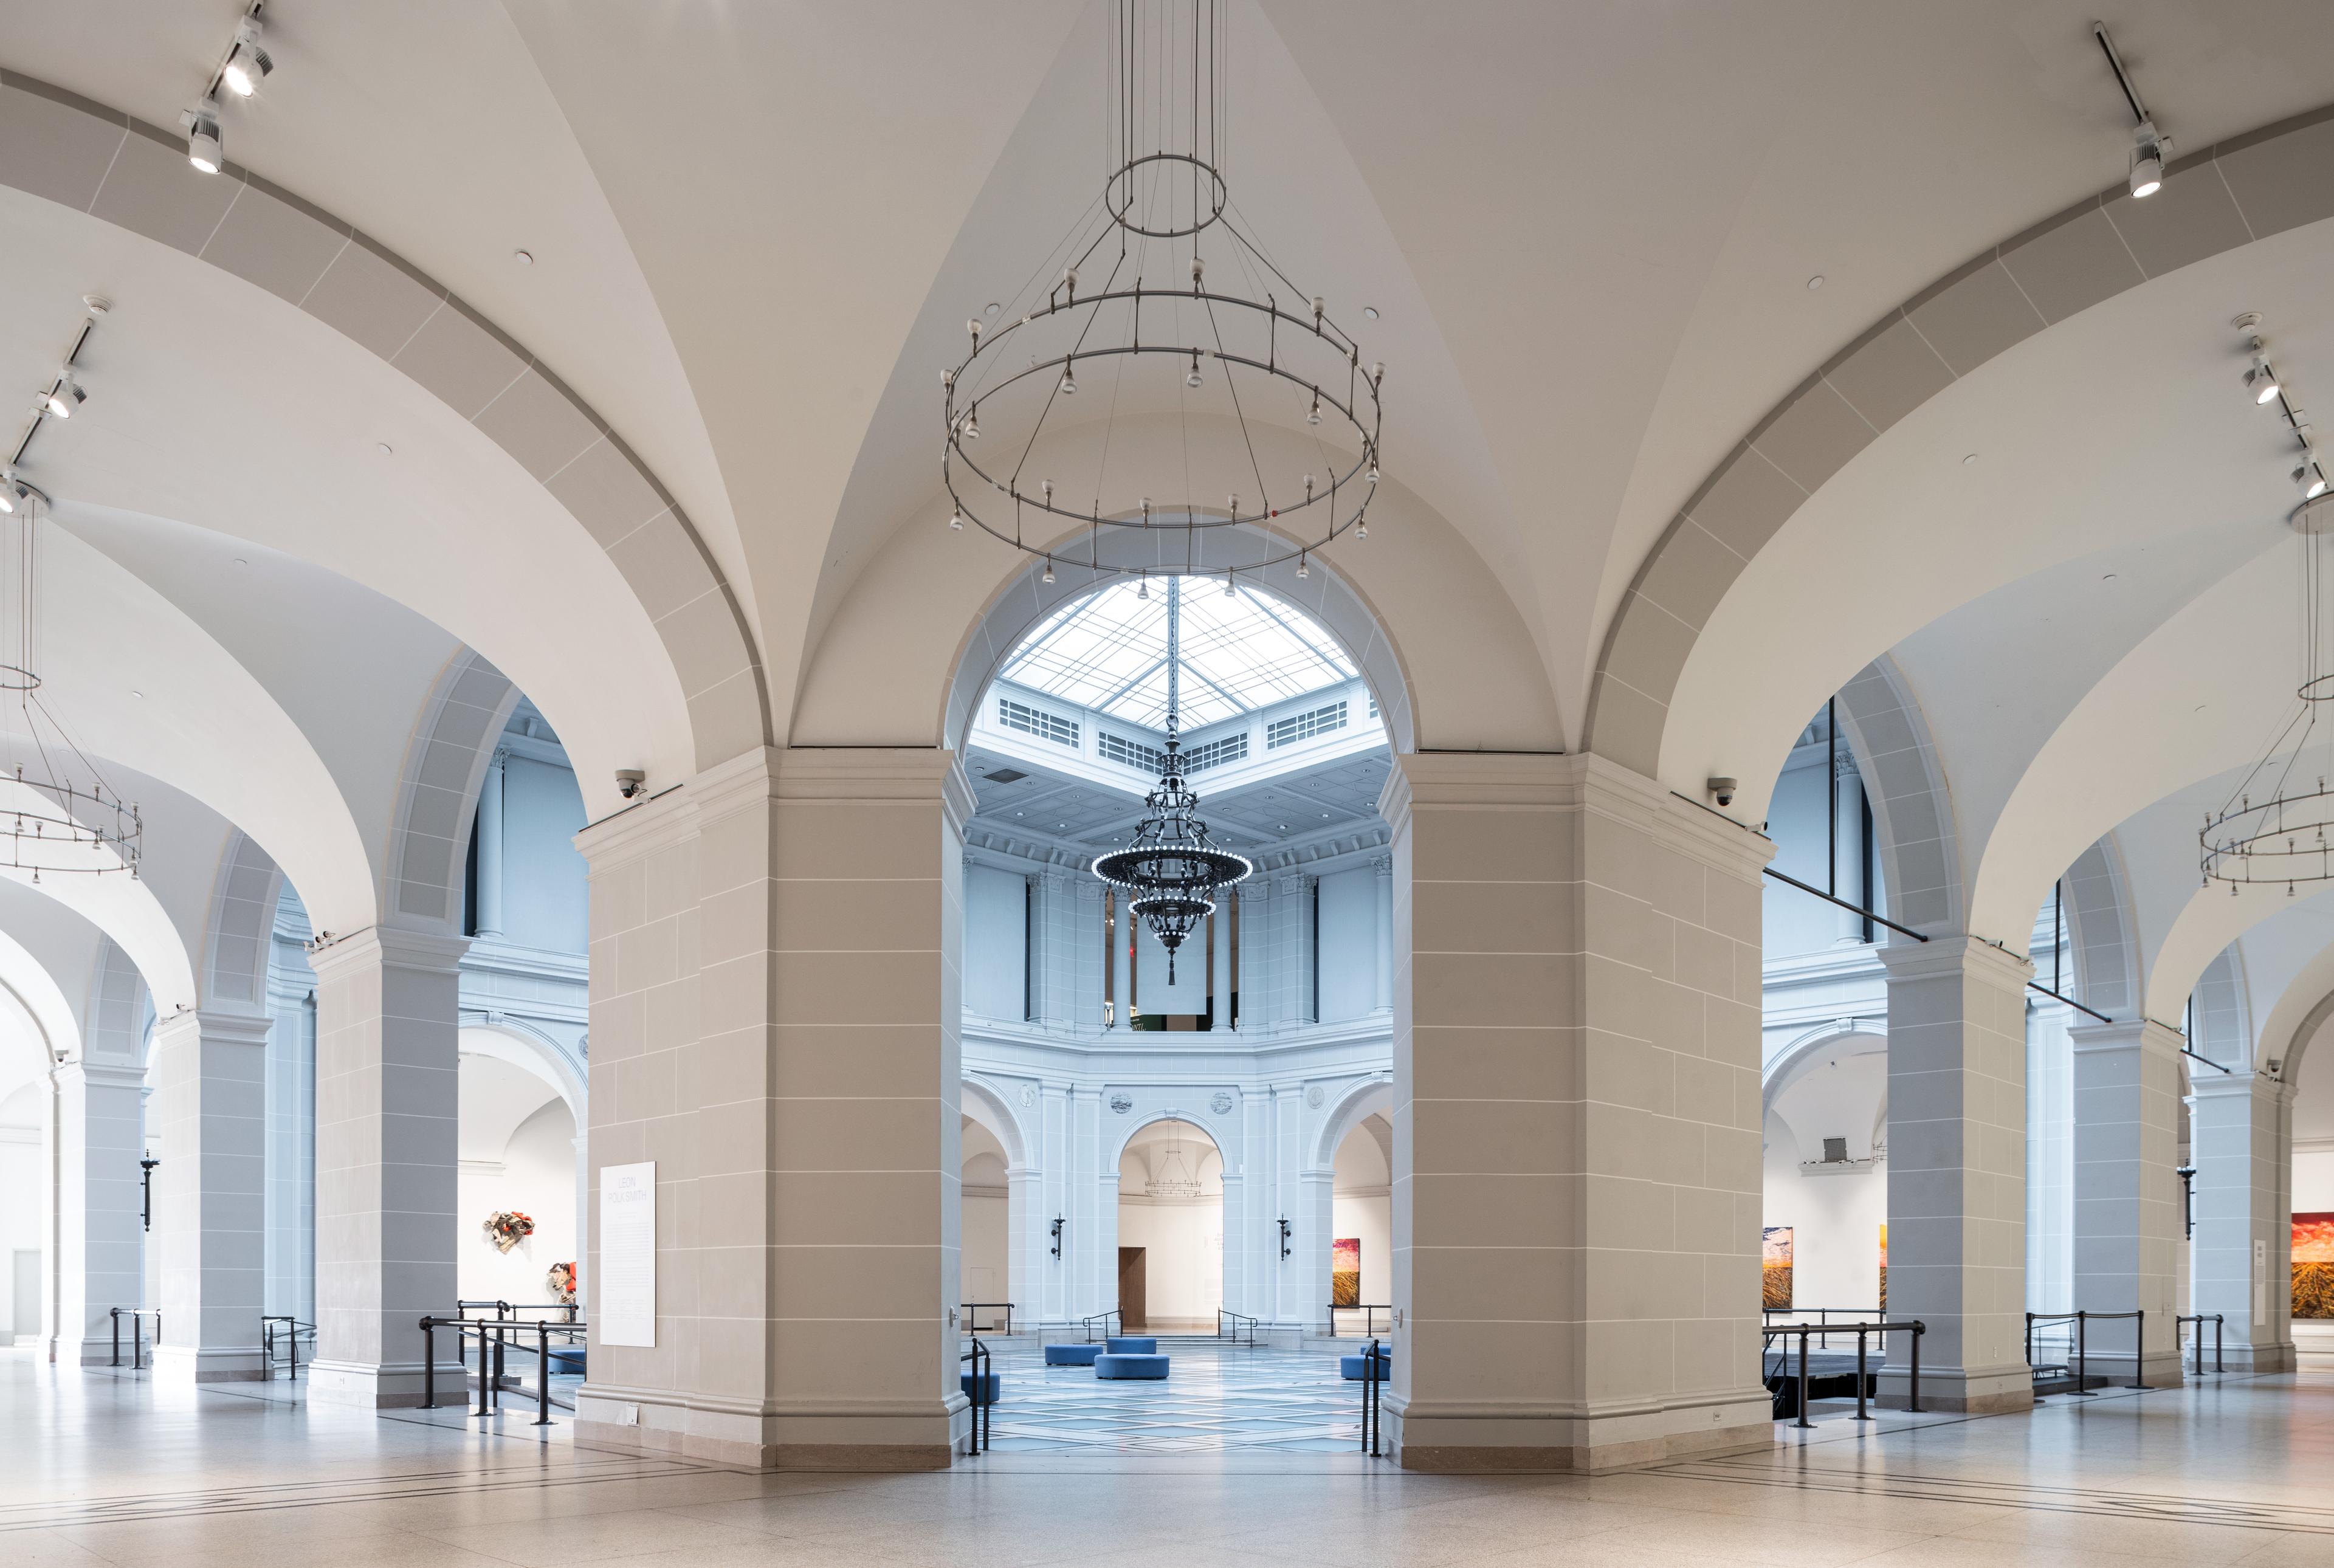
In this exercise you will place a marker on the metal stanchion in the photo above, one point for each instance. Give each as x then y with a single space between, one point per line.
1803 1420
428 1363
1859 1377
2139 1349
115 1313
543 1374
2082 1361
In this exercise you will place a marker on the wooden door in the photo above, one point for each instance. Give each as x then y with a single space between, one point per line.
1131 1307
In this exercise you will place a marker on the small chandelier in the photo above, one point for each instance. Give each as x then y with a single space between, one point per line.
1161 306
1171 869
1176 1177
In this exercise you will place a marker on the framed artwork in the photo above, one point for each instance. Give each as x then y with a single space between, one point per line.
2313 1265
1775 1267
1345 1271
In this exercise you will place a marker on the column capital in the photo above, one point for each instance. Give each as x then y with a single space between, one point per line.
2237 1083
1940 956
391 948
102 1075
211 1024
2144 1035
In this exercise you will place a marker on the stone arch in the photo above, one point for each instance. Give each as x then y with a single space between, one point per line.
2100 927
993 1109
1912 807
2222 198
120 1007
436 794
68 150
243 926
2222 1019
1355 1103
1796 1058
1143 1118
1026 600
31 987
532 1052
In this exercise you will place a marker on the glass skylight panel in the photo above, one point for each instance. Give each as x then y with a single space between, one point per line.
1240 652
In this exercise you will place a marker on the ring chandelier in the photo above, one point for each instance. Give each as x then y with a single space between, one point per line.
1160 304
58 814
2283 837
1171 869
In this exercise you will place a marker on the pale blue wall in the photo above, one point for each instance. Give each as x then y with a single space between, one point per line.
1349 944
995 937
545 891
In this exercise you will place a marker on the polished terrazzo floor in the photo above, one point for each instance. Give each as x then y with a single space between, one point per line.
97 1469
1217 1397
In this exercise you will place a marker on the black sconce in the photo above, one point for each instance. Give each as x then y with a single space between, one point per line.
1284 1238
2188 1175
146 1189
1057 1235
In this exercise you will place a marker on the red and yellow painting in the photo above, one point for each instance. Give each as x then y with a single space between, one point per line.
1775 1267
2313 1265
1345 1271
1883 1266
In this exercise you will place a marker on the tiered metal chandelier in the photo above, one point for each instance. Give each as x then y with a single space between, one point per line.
1171 871
2283 837
58 814
1158 304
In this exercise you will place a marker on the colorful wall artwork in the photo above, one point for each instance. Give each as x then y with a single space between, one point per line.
1345 1271
1775 1267
1883 1266
2313 1265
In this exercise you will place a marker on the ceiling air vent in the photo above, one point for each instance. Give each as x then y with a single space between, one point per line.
1835 1152
1005 775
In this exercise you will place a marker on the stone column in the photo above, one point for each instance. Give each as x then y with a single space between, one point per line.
1384 866
2240 1137
210 1086
490 846
1957 1170
1575 1119
388 1106
775 997
1310 1249
2127 1216
100 1260
1028 1244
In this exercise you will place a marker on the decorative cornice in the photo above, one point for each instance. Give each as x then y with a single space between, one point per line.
391 949
1940 956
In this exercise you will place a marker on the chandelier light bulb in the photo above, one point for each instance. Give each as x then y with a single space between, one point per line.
1143 588
956 517
1049 570
1193 379
1373 468
203 147
1228 585
1361 530
1313 415
1304 569
1069 382
972 423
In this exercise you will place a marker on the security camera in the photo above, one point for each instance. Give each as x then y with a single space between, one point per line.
1723 788
629 781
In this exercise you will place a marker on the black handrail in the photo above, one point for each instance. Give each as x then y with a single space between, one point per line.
1372 1379
1912 1326
984 1367
497 1330
137 1316
972 1323
290 1331
1823 1316
1369 1311
2081 1318
2200 1320
1103 1318
1236 1320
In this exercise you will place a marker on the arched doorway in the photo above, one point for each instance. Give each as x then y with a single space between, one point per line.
1171 1228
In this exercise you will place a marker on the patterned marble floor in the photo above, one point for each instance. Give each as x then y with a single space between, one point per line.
1217 1397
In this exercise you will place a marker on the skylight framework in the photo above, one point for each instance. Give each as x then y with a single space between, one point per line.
1240 652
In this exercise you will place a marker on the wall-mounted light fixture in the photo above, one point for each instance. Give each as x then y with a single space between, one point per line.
1284 1238
2188 1175
1057 1235
146 1189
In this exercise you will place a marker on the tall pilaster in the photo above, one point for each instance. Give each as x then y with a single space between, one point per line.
2127 1218
1383 885
1121 965
776 996
2240 1137
1576 1164
1219 938
388 1108
100 1246
490 846
1957 1170
209 1196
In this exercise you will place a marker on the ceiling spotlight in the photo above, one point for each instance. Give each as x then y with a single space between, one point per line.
2147 160
956 518
202 125
12 490
2260 381
247 64
2309 479
64 397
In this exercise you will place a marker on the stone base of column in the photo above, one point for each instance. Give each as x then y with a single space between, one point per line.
392 1386
1462 1439
653 1421
188 1364
94 1352
2261 1359
2162 1369
1959 1390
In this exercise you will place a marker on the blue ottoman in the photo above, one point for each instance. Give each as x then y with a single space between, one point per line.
1137 1346
1354 1369
990 1395
1130 1366
1072 1355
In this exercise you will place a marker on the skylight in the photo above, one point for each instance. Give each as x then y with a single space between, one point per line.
1240 652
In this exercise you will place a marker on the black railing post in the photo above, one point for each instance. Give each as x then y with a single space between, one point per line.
115 1313
2217 1344
1859 1377
2139 1349
138 1341
485 1366
1803 1420
1913 1406
543 1374
2082 1358
428 1363
2030 1342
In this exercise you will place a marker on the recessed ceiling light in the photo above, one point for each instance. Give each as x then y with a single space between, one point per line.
1371 311
136 693
1970 459
1283 827
239 561
1815 283
525 258
386 449
2108 577
992 308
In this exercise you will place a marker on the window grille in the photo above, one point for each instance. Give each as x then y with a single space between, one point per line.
1299 726
1132 753
1214 753
1036 721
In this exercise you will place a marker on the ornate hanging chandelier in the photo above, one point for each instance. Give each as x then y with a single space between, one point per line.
1171 871
58 814
2283 836
1157 304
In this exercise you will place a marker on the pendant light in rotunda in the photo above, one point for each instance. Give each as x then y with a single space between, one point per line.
1176 1177
1159 308
1171 871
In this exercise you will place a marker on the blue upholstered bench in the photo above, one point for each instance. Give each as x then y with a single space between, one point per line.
1137 1346
1130 1366
1072 1355
992 1394
1354 1369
